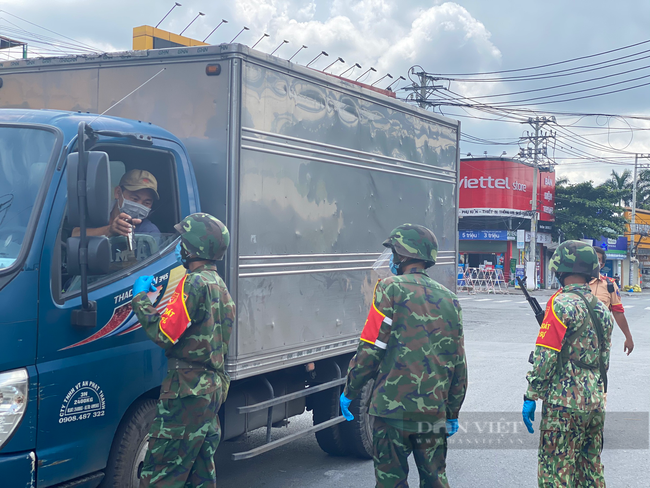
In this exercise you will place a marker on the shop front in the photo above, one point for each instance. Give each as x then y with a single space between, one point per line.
495 202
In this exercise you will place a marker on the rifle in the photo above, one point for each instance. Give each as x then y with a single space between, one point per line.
537 310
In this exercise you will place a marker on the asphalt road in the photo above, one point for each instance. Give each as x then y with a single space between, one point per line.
499 334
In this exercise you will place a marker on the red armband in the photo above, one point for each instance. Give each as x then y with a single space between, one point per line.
175 319
552 330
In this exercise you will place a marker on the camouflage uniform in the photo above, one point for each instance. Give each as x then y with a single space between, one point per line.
186 432
567 378
412 345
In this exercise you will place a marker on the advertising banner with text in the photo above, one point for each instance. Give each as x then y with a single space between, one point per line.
504 188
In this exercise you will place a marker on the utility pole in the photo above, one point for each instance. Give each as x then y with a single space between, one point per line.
630 280
422 92
538 139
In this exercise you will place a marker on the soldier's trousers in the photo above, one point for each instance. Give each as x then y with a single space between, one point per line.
184 438
569 448
392 448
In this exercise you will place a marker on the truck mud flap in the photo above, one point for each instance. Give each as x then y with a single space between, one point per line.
269 404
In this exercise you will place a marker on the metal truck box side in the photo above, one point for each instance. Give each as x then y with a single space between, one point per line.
324 176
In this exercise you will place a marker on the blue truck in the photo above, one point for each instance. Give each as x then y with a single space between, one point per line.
308 171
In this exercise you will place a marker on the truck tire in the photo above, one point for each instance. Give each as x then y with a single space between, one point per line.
357 433
325 407
129 447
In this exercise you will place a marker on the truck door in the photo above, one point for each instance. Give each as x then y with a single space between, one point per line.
90 376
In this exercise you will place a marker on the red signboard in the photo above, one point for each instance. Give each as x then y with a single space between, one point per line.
504 188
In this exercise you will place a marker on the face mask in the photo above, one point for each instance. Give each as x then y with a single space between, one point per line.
134 210
394 268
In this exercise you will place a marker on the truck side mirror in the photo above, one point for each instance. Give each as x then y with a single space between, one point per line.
98 190
89 204
99 255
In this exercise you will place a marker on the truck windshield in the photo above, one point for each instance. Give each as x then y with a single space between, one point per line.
24 155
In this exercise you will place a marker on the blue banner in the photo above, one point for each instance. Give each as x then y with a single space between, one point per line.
483 235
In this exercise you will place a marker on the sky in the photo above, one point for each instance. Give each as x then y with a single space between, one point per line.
465 36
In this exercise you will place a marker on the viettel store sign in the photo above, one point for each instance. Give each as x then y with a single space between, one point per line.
503 187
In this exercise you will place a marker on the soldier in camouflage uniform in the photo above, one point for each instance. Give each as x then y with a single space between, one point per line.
412 345
194 330
569 374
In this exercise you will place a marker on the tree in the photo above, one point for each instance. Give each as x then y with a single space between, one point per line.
585 211
622 182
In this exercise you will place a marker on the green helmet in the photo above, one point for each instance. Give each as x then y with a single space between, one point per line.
414 241
204 236
575 257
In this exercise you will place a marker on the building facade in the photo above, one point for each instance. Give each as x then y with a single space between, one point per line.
495 197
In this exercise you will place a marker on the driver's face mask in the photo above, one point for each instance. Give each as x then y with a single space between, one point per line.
133 209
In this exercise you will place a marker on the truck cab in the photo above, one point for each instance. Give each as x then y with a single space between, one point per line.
63 393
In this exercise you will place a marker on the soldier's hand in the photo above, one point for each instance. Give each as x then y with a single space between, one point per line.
628 347
345 407
528 413
452 427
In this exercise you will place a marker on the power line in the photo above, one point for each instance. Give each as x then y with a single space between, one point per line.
549 64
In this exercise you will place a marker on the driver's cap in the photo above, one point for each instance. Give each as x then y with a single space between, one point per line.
139 179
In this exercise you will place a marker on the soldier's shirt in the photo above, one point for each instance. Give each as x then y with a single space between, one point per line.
412 345
611 300
204 340
570 385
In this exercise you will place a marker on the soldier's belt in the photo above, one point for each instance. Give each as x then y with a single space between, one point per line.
173 363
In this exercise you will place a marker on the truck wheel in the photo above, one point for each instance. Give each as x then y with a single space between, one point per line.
357 433
129 447
325 407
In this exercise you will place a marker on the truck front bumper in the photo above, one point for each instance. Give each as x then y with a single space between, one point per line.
18 470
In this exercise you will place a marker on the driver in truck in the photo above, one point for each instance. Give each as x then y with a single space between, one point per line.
134 197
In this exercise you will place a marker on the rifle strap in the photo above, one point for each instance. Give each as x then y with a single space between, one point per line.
600 333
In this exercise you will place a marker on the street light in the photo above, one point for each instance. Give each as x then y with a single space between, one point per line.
233 39
281 44
355 65
303 47
260 40
176 4
387 74
223 21
321 54
337 60
366 72
199 15
400 78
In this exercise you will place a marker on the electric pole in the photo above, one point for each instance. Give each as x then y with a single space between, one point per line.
630 280
537 140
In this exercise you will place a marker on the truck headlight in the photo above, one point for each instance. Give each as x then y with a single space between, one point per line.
13 401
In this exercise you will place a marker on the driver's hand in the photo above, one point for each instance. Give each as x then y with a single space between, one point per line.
122 225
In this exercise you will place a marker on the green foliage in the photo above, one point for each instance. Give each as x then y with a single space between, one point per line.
584 210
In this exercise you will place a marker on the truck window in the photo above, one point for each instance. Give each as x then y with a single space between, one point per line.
144 176
24 155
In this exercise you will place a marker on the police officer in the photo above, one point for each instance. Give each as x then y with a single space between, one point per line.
412 345
570 374
606 290
194 330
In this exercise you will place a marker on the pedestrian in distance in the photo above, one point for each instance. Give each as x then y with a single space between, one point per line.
569 374
607 291
194 330
412 346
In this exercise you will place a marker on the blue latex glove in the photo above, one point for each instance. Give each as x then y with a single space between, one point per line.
528 413
144 283
452 427
345 407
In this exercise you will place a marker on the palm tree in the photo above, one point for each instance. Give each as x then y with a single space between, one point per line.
623 183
